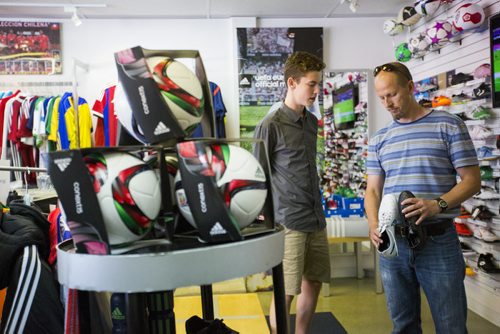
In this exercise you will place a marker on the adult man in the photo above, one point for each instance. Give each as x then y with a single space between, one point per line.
290 135
421 151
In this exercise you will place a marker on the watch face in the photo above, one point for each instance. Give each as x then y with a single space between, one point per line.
443 204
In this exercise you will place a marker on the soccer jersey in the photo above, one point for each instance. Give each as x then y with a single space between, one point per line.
421 156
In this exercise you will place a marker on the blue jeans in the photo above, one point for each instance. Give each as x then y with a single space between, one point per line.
438 268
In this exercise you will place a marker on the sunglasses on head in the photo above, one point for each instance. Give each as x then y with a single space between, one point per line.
391 68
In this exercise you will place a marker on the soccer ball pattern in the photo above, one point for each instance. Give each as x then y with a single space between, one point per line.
439 33
427 7
128 192
392 27
240 179
468 17
402 53
418 45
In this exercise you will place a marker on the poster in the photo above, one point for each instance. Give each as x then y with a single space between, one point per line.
30 48
262 53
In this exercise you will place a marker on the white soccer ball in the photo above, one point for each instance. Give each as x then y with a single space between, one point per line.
180 88
418 45
240 179
439 33
392 27
125 116
408 16
128 192
427 7
468 16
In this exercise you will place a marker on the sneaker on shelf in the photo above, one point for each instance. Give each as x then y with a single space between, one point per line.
440 101
480 113
460 78
196 325
480 132
476 233
482 71
424 87
483 91
486 173
481 212
486 194
425 103
460 98
486 262
463 230
469 271
487 235
484 153
466 250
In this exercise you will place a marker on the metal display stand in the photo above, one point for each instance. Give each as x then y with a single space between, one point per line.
164 271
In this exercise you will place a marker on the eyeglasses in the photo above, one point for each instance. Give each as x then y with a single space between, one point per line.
392 68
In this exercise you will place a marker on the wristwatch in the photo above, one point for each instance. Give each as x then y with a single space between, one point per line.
443 205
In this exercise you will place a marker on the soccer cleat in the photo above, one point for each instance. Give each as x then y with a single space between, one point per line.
425 103
196 325
440 101
415 233
460 78
480 133
387 218
486 173
487 235
486 262
486 195
481 113
460 98
463 230
483 91
485 153
466 250
481 212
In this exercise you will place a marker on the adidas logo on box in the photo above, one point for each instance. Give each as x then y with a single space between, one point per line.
161 128
217 229
62 163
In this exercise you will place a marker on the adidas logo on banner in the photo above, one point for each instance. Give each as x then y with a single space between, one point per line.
117 314
244 81
62 163
161 128
217 229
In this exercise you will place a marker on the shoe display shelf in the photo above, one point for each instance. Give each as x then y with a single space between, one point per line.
186 264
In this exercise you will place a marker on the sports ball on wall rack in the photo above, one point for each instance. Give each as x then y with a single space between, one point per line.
439 33
427 7
181 89
468 16
408 16
418 45
240 179
392 27
128 192
402 52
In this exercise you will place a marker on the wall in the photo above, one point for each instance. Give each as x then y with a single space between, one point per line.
347 42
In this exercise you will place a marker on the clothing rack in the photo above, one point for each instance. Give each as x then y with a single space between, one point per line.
23 169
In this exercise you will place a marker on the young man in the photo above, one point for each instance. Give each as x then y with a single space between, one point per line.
421 151
290 135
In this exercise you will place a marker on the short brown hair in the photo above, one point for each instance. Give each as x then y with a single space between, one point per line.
400 70
301 62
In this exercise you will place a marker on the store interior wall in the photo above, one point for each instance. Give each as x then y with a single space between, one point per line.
350 43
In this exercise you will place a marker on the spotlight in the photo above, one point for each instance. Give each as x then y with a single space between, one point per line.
74 17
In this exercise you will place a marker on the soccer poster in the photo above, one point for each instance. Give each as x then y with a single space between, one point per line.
30 48
262 53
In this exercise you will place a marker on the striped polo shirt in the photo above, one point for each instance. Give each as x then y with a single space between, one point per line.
421 156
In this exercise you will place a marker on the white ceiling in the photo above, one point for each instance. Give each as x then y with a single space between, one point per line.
171 9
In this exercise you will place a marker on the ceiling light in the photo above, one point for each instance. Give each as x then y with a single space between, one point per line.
77 21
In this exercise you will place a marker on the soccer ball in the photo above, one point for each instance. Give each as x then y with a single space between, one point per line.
128 192
468 17
418 45
403 53
427 7
125 116
241 182
180 88
392 27
439 33
408 16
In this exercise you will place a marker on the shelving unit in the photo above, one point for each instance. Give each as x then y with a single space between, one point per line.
177 265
